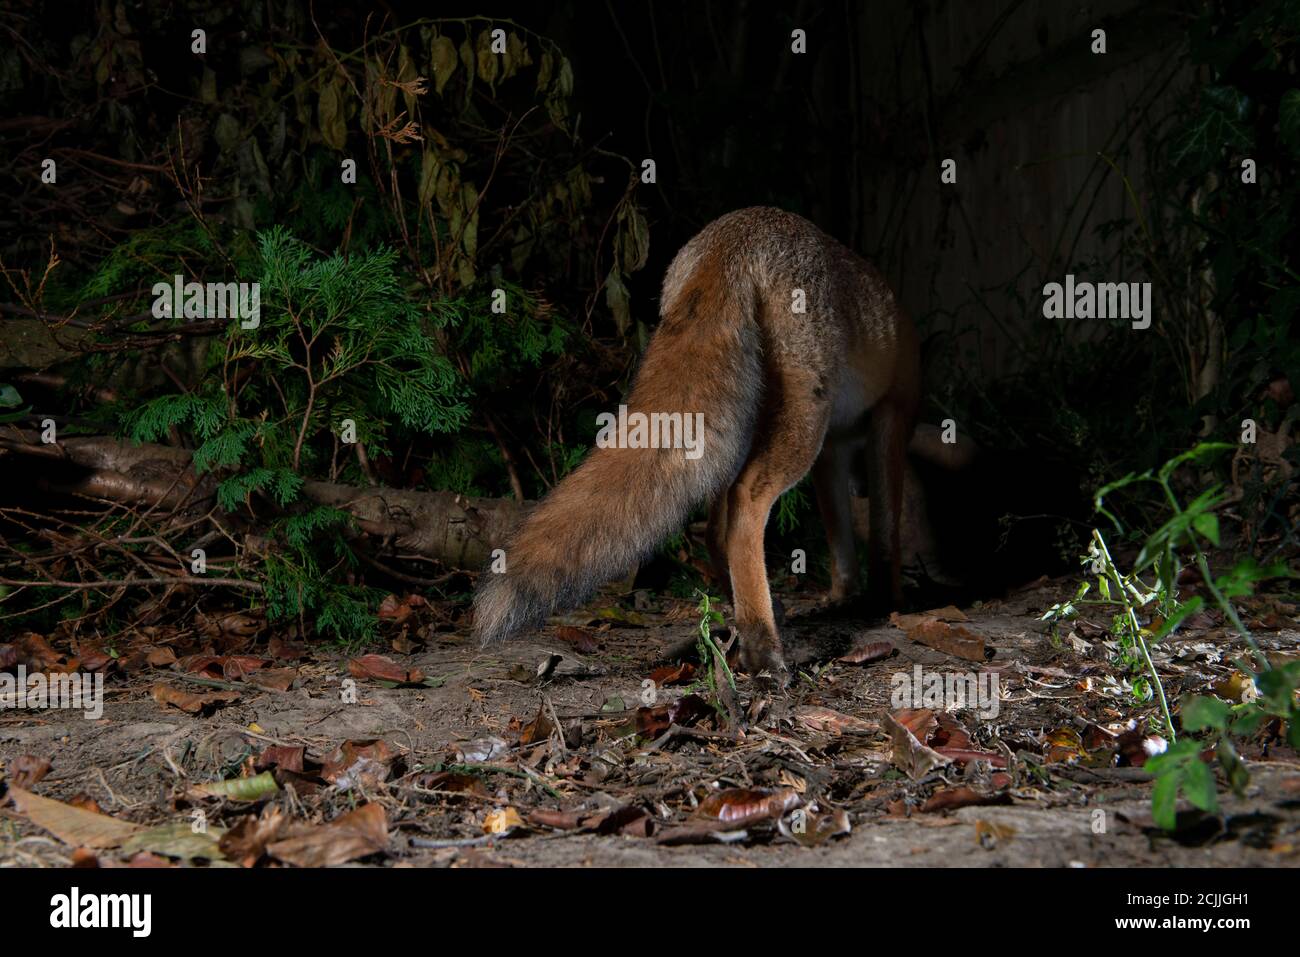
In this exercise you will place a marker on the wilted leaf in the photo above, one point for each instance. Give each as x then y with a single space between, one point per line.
502 820
29 769
739 807
817 718
242 789
71 825
909 755
443 57
950 639
333 128
190 702
869 652
177 839
359 833
381 668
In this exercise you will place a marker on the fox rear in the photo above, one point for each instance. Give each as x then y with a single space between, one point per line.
793 354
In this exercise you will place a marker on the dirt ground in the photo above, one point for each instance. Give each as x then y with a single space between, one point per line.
577 771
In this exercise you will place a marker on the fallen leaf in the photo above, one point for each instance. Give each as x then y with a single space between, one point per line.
989 834
285 756
160 657
241 789
908 622
815 830
384 669
71 825
177 839
502 820
364 764
246 842
869 652
192 702
29 769
359 833
453 782
909 755
817 718
680 674
1063 746
950 799
739 807
950 639
581 639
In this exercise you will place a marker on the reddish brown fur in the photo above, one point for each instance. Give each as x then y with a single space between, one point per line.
782 392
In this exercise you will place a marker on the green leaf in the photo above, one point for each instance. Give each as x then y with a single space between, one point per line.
9 397
1202 711
1207 524
1199 786
1185 611
1164 801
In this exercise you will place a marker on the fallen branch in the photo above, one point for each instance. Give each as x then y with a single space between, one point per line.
454 529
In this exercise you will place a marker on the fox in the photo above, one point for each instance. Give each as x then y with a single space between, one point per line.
800 359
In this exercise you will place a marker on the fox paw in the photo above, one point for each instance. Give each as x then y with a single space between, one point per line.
763 661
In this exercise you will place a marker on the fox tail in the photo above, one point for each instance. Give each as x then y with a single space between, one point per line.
621 503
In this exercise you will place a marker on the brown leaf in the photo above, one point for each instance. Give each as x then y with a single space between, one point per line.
1064 746
35 652
502 820
967 755
816 829
393 608
909 754
278 679
583 641
922 722
246 842
358 763
561 820
359 833
908 622
161 657
28 769
71 825
287 757
687 710
950 799
817 718
94 656
950 639
738 807
539 729
869 652
384 669
453 782
680 674
284 650
191 702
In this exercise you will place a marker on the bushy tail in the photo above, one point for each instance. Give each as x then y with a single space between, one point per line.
621 503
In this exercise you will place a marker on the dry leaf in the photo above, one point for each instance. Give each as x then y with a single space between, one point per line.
72 825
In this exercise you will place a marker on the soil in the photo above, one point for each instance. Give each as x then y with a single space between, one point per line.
569 742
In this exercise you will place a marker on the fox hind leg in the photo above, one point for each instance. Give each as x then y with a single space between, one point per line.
785 455
832 479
